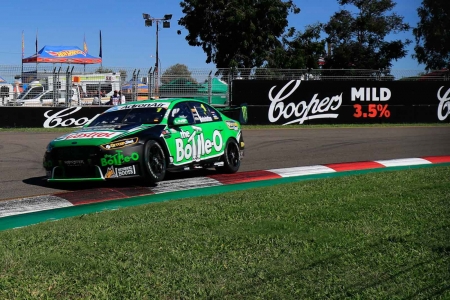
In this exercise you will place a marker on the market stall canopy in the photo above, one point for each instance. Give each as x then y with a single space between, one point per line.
62 54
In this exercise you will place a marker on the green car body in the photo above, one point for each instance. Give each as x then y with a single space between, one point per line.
146 139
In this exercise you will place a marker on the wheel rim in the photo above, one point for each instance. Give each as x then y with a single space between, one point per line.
156 161
233 155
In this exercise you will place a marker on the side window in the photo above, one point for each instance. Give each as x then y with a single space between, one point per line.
214 113
201 111
181 110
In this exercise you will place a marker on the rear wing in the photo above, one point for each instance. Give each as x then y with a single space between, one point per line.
238 113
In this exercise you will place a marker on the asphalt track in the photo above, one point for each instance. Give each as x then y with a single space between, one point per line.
21 172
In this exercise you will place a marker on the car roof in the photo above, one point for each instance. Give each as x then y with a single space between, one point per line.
164 100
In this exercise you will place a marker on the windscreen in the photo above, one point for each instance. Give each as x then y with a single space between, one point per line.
148 115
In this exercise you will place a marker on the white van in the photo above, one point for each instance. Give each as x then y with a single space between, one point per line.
46 99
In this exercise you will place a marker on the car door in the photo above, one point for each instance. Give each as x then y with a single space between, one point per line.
210 129
180 135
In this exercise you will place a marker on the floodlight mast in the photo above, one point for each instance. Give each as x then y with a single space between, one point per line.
166 24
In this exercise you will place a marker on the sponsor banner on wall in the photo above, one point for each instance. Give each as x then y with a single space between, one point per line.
323 102
48 117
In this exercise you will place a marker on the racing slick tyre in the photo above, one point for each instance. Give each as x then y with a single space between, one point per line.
155 162
231 159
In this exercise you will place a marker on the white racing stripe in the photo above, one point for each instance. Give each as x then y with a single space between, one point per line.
403 162
184 184
32 204
300 171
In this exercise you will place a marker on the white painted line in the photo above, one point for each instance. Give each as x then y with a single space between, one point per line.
32 204
184 184
300 171
403 162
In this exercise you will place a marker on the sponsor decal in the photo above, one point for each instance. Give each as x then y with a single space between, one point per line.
232 125
196 145
65 53
89 135
112 172
315 109
118 158
120 144
444 104
57 118
144 105
78 162
370 94
126 171
205 119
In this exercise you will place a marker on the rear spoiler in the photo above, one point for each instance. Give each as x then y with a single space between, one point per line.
232 112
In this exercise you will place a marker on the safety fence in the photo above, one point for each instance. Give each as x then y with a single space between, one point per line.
80 85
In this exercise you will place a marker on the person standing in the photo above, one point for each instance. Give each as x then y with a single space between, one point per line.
122 98
114 100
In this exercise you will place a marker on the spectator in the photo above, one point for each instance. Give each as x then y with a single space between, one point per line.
122 98
114 100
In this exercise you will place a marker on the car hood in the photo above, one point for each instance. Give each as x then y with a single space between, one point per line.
98 135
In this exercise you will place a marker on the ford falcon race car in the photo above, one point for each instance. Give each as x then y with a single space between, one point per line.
145 139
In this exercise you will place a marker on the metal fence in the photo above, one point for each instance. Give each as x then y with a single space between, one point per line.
83 85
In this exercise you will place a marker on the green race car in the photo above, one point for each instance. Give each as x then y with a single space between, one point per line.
145 139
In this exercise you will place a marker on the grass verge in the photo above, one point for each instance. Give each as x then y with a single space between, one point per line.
373 236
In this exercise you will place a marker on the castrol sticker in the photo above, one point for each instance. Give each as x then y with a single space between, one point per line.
90 135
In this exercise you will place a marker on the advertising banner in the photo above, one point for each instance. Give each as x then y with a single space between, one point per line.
290 102
48 117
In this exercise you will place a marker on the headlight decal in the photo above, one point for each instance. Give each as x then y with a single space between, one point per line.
120 144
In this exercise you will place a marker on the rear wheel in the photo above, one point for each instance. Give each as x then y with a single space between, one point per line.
231 158
155 161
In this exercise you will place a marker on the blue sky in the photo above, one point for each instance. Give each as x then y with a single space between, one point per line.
126 41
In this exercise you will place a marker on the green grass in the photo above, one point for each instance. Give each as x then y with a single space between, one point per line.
374 236
250 127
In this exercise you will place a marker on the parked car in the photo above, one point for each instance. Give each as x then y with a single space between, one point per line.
145 139
46 99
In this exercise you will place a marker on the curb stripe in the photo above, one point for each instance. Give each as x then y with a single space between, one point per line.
244 177
184 184
437 159
403 162
103 194
301 171
354 166
32 204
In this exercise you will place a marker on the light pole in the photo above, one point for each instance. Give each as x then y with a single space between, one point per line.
166 24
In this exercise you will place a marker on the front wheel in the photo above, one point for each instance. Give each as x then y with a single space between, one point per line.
231 158
155 162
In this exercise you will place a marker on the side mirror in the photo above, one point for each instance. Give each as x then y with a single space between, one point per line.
180 121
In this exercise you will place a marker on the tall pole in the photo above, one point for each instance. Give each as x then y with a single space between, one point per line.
157 64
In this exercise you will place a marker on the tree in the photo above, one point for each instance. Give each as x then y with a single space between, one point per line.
177 71
103 70
236 33
359 40
433 34
298 50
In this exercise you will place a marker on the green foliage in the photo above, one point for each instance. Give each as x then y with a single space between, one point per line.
103 70
235 33
433 34
358 41
299 50
177 71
